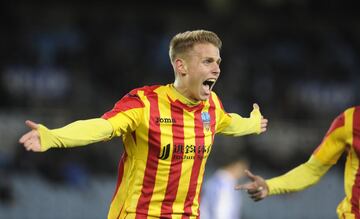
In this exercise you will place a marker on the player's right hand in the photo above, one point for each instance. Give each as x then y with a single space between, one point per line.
257 189
31 140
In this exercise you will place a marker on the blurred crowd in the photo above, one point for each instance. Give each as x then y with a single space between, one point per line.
299 60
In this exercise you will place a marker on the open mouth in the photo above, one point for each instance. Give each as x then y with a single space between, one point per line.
209 83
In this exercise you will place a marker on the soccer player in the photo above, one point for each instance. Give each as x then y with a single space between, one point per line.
167 130
342 136
218 200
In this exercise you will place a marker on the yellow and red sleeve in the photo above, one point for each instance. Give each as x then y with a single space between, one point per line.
124 117
126 114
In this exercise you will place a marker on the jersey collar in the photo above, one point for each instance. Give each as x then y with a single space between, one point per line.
176 97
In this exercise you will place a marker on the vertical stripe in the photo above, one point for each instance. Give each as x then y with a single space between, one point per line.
120 173
152 158
356 145
212 114
176 164
199 141
116 204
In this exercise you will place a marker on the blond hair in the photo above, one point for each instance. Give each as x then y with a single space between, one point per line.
182 42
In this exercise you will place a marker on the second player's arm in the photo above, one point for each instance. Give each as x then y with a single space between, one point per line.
326 155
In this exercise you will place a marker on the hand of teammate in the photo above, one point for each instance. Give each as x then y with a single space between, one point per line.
263 122
31 140
257 189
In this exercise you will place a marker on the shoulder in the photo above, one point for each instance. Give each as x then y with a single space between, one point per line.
350 113
352 117
145 89
135 98
345 119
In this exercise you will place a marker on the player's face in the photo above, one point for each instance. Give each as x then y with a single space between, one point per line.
203 70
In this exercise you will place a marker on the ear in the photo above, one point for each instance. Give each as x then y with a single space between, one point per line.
180 66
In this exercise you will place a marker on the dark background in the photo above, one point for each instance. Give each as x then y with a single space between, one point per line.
60 62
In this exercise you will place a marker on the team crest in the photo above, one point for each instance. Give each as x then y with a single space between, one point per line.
205 117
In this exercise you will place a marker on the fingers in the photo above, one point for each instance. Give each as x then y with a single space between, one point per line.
254 191
32 146
259 194
257 189
247 186
25 137
257 197
31 140
31 124
27 145
263 125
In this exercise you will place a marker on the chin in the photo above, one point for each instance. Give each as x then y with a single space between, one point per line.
204 98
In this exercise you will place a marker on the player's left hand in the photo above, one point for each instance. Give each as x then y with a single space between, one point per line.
257 189
31 140
263 121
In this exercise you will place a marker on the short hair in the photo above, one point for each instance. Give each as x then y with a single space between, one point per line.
182 42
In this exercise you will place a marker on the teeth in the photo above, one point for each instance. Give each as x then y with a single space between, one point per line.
209 83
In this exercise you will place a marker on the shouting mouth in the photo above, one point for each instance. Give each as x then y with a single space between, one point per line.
208 85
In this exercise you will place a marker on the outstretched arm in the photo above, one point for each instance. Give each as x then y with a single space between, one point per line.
309 173
78 133
297 179
239 126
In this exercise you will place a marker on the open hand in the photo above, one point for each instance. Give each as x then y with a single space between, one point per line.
31 140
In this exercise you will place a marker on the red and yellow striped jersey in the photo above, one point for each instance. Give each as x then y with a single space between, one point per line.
344 135
167 140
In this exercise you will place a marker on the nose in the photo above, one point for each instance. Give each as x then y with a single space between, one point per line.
216 69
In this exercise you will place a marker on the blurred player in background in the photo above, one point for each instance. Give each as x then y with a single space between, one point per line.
342 136
218 198
167 130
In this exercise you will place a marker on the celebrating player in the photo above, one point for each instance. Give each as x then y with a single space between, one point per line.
167 130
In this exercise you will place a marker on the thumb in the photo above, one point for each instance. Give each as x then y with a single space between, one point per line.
250 175
31 124
256 111
256 116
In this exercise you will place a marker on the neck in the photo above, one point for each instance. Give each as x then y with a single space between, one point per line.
180 88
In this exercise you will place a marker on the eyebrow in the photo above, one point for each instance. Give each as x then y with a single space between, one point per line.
213 59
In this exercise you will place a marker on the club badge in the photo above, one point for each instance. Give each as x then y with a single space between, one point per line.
205 117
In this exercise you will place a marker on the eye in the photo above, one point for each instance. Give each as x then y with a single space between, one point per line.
207 61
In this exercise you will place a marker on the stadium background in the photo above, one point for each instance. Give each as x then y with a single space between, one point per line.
67 61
